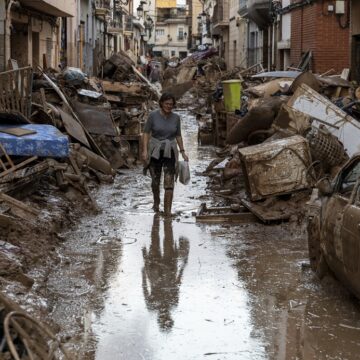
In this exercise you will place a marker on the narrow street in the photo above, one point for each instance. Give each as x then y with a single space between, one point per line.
131 285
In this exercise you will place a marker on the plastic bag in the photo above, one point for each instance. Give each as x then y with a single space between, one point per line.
184 172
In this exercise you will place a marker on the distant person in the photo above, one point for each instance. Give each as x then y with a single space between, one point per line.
155 74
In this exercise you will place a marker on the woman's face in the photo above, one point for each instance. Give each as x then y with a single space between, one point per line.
167 106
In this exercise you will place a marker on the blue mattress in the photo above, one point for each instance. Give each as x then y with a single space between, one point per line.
47 142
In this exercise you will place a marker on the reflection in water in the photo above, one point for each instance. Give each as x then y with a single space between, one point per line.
162 272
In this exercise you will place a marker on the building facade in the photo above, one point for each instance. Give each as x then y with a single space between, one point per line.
78 33
171 31
30 31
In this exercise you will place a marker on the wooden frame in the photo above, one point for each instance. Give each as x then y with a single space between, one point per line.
16 91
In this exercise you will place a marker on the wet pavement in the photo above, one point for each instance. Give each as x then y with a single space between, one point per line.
132 285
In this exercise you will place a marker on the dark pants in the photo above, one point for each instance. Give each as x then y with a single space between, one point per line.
168 165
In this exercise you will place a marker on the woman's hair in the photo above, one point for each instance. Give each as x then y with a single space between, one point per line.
167 96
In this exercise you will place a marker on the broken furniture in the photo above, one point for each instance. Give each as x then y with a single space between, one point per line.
16 90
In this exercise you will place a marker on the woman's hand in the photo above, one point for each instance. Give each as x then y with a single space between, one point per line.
144 157
185 157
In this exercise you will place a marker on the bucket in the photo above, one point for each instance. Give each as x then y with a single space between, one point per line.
232 95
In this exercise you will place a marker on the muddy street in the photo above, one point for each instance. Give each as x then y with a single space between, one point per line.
133 285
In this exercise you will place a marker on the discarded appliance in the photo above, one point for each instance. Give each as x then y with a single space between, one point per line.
277 167
47 141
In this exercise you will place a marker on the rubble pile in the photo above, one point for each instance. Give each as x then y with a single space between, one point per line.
289 130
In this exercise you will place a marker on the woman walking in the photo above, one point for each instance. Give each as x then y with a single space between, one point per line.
162 135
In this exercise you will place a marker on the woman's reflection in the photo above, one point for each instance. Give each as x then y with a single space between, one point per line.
162 272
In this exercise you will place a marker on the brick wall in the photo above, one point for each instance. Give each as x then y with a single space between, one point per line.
313 29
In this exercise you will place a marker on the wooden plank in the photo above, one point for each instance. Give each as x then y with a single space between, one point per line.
241 218
265 213
12 201
6 155
117 87
73 127
18 166
17 131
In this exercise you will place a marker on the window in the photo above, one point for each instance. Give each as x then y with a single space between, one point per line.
180 33
173 52
349 180
160 32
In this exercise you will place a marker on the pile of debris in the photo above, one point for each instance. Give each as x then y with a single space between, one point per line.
62 133
290 130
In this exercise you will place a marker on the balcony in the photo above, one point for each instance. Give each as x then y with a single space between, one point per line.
220 17
257 11
58 8
102 8
172 19
114 26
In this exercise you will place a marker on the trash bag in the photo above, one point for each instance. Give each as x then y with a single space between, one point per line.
184 172
74 76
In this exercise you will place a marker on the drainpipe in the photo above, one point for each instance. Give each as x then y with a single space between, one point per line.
7 28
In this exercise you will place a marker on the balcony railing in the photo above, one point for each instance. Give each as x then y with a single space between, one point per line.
114 26
102 8
221 14
102 4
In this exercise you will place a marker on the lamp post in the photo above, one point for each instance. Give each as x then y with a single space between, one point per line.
140 11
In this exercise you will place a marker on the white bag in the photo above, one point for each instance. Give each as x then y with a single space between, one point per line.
184 172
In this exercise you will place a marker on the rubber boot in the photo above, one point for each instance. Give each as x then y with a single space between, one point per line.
156 195
168 197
